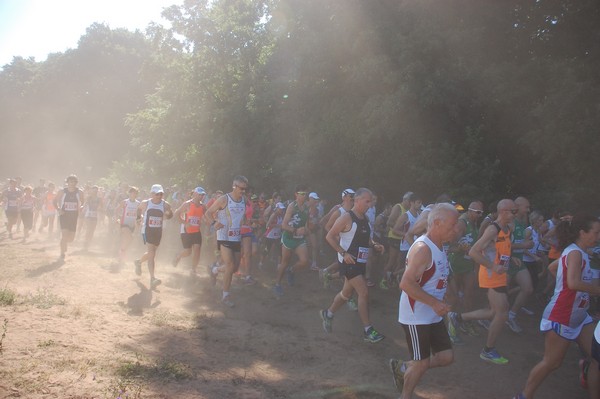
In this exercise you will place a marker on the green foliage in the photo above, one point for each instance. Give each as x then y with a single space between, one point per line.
7 297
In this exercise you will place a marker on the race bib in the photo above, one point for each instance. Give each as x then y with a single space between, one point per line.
194 221
155 221
363 255
233 232
70 206
504 259
442 284
131 213
584 302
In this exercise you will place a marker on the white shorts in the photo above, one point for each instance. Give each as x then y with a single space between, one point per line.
46 213
570 333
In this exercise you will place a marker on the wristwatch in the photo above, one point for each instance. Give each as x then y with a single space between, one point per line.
342 253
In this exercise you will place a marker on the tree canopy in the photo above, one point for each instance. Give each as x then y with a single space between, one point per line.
476 99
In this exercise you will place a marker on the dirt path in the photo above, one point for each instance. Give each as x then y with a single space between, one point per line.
90 328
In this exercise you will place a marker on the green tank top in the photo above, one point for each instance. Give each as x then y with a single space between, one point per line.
460 260
299 219
518 236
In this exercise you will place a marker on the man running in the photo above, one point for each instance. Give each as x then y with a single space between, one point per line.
11 197
226 215
127 219
191 235
350 237
153 211
422 305
68 203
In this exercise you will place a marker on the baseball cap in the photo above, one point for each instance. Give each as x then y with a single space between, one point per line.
280 205
313 195
348 191
157 188
199 190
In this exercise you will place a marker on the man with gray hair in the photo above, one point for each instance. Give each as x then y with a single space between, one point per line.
422 305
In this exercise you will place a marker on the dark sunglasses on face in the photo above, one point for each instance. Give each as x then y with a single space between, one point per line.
477 211
301 193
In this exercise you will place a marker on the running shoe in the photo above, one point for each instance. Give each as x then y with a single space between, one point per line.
314 266
278 290
514 326
456 340
583 370
453 324
326 321
289 274
138 267
154 282
484 323
384 285
470 329
397 368
228 302
493 357
372 336
370 283
519 396
352 305
249 281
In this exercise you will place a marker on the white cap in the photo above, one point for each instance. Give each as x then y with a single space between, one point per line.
280 205
313 195
157 188
347 191
199 190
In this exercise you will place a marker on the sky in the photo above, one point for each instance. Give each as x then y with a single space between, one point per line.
36 28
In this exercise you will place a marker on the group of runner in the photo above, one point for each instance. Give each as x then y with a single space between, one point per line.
437 255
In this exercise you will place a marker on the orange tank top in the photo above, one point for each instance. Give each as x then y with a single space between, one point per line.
501 255
193 217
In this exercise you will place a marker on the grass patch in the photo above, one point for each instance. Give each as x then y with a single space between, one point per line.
45 344
163 369
44 299
7 297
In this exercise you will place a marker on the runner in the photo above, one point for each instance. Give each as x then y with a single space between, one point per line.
404 223
191 235
565 318
26 209
295 227
313 239
350 237
68 202
153 211
492 253
227 214
422 305
11 197
393 242
48 210
38 193
91 208
273 236
127 220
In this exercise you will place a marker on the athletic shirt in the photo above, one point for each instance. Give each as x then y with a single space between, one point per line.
274 232
356 240
153 217
471 234
11 202
27 203
528 255
192 218
434 281
70 201
91 208
49 201
391 230
129 215
231 218
518 236
499 254
298 219
404 245
569 307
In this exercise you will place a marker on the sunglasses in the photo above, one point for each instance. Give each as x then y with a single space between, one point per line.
477 211
301 192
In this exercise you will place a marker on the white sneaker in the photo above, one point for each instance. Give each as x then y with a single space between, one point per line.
512 323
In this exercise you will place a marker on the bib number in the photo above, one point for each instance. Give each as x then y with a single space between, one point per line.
233 233
363 255
154 222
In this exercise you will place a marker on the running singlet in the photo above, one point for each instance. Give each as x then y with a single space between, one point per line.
404 245
192 218
569 307
460 260
518 236
391 230
274 232
298 219
434 281
231 218
27 203
11 203
49 202
153 217
70 201
529 253
91 208
356 240
499 254
129 215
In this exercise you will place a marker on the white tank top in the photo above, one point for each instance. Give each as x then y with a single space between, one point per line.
434 281
231 218
404 245
129 216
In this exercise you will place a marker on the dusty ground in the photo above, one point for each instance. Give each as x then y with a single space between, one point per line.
89 328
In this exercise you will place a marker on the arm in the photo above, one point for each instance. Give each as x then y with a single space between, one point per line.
168 211
332 218
399 225
476 251
417 229
211 213
181 210
418 261
574 261
396 209
342 224
325 219
461 229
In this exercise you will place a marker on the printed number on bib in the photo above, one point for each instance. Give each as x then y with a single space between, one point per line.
194 221
233 233
154 221
363 255
70 206
504 261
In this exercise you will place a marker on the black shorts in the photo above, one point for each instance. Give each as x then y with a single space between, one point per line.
351 271
501 290
152 236
190 239
402 259
235 246
68 221
394 243
27 218
424 339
